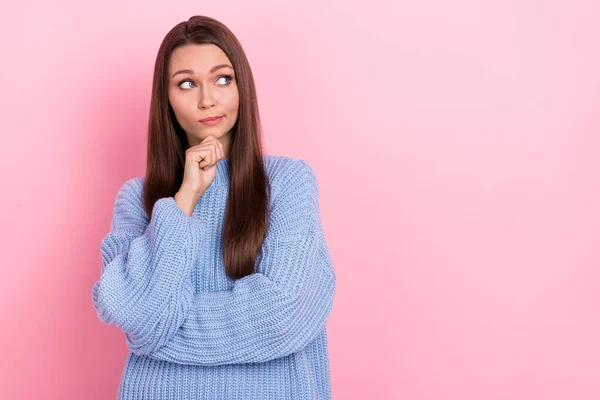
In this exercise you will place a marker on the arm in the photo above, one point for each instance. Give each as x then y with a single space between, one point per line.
145 285
279 309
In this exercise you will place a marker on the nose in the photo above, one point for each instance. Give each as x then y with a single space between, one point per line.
206 98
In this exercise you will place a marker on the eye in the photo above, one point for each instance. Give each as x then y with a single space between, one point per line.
186 81
190 81
226 76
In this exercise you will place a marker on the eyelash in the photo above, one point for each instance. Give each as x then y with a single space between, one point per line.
222 76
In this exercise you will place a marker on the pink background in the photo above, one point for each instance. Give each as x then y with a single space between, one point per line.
456 146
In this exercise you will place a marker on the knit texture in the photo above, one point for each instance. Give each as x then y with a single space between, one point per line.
194 333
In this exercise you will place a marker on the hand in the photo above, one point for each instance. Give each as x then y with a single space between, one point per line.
201 165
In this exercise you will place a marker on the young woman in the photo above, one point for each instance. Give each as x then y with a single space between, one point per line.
216 267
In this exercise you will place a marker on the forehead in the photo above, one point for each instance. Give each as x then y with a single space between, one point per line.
197 57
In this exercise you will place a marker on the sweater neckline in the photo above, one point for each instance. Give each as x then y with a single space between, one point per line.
222 173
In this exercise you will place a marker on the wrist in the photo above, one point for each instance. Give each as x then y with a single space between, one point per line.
187 200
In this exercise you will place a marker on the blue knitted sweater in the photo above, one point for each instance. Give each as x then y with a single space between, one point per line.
194 333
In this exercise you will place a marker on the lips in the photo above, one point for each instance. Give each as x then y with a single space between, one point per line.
209 119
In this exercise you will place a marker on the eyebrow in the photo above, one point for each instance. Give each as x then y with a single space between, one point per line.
213 69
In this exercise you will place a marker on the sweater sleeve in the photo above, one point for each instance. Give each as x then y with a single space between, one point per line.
145 285
277 310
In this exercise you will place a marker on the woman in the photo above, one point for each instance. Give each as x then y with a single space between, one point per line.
216 266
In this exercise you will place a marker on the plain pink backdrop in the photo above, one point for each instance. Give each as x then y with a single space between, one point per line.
456 146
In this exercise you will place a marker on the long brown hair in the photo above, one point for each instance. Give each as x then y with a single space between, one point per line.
247 211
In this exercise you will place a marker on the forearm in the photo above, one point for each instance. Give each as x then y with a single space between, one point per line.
261 318
145 288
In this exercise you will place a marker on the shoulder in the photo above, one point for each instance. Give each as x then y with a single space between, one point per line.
132 186
294 196
131 191
288 174
281 170
128 205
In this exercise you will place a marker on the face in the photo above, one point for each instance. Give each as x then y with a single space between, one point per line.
204 89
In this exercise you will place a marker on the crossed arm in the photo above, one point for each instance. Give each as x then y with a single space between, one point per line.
146 290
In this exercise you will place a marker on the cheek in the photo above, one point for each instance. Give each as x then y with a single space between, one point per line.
233 102
181 114
174 101
180 106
